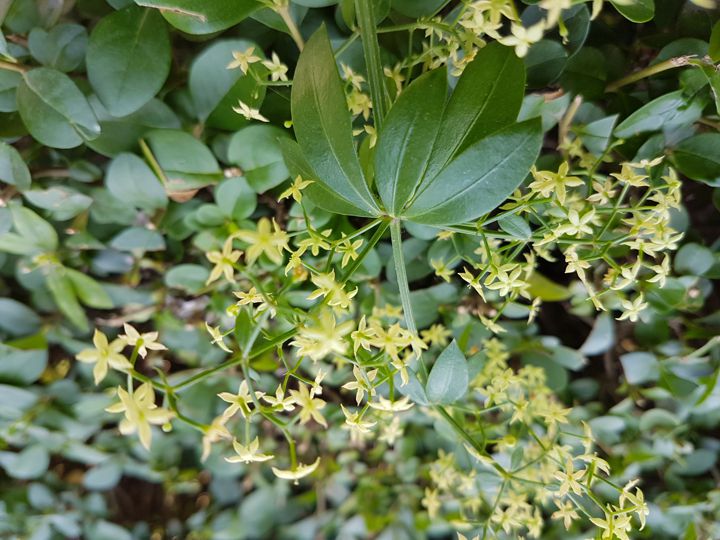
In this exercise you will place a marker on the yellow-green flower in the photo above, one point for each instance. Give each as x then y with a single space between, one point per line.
140 412
295 190
103 355
267 239
297 473
310 406
249 453
144 342
224 262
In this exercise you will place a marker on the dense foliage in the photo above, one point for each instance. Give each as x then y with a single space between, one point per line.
392 269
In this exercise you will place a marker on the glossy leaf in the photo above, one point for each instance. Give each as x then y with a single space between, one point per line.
487 97
256 150
322 124
203 16
638 11
13 169
404 145
317 192
128 59
54 110
448 379
480 178
62 48
699 157
131 180
664 112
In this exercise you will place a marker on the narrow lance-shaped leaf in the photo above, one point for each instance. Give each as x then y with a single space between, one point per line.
487 97
480 178
405 143
317 192
322 124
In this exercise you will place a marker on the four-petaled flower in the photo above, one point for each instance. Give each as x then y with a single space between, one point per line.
143 342
249 453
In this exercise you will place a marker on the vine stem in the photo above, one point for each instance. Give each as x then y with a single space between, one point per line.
404 286
371 49
284 13
672 63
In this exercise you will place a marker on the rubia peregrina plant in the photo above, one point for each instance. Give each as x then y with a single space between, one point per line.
309 346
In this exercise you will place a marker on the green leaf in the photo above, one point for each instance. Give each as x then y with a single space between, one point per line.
637 11
103 477
122 134
188 164
515 226
54 110
322 125
138 239
21 367
418 8
132 181
714 48
480 178
31 463
128 59
665 112
187 277
407 138
601 337
713 78
487 97
9 81
17 319
317 192
63 203
215 89
640 367
34 229
235 198
203 16
256 150
13 169
63 293
699 156
547 290
448 380
62 48
586 73
693 259
89 291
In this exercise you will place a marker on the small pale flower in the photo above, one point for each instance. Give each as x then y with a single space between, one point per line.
297 473
249 112
249 453
144 342
104 355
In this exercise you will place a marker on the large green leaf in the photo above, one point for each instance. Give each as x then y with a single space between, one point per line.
665 112
698 157
256 150
322 124
128 59
487 97
131 180
480 178
54 110
404 145
62 48
203 16
448 379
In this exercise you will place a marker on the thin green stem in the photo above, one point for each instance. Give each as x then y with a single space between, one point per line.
9 66
672 63
371 49
285 15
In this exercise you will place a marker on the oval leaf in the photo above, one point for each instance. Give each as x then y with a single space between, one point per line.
54 110
128 59
322 124
448 380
